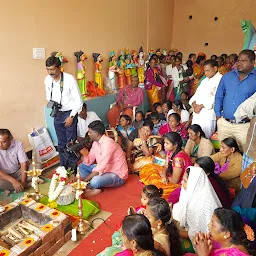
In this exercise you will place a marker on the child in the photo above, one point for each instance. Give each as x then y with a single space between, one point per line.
158 108
177 160
165 231
148 192
124 129
139 120
185 101
167 106
157 122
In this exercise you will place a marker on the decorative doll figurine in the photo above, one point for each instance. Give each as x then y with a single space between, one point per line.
121 56
113 69
81 79
141 66
173 52
134 62
98 70
254 49
150 53
61 58
128 71
121 76
158 52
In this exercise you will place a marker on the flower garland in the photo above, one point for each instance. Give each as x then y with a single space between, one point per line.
34 183
60 175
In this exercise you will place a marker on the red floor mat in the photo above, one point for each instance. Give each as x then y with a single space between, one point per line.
116 201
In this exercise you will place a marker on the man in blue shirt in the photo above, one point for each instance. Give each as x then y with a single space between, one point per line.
234 88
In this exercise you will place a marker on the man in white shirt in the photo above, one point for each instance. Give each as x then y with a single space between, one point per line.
63 96
84 119
203 100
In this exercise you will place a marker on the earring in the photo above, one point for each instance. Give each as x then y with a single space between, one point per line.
225 237
158 226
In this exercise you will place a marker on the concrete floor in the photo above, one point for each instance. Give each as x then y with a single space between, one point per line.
69 246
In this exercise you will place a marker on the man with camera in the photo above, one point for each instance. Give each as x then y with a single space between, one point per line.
63 96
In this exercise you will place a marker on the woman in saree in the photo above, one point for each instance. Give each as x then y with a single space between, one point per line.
197 145
177 107
228 229
137 237
154 82
174 125
198 71
207 164
168 177
196 205
141 146
221 65
228 163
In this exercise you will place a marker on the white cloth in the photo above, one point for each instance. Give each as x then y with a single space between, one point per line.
82 125
205 95
196 204
208 126
169 70
184 116
246 108
70 98
177 75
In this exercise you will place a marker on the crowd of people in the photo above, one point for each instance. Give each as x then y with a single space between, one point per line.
189 186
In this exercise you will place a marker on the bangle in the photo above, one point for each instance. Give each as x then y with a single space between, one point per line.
143 142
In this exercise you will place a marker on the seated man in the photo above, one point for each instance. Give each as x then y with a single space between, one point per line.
13 163
111 169
128 97
84 119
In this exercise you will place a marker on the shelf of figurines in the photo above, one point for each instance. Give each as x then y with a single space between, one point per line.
120 71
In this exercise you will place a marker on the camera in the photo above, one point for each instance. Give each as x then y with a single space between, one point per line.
72 149
55 106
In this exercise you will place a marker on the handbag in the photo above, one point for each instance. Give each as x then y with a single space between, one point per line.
248 174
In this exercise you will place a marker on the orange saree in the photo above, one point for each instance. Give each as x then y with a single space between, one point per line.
150 174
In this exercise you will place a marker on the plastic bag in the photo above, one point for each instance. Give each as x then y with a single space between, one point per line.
41 142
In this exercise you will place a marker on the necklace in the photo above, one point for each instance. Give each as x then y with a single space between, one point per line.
145 253
160 232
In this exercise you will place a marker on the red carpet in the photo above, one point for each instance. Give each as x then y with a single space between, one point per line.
116 201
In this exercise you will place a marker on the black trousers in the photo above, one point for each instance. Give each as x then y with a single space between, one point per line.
65 135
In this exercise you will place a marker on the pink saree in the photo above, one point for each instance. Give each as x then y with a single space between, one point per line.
223 252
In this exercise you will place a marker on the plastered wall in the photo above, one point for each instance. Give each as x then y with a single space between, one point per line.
223 36
67 26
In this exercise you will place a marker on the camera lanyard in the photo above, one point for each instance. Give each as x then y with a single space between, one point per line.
61 86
